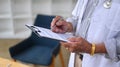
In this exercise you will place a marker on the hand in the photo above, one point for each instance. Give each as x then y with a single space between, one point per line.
77 44
59 25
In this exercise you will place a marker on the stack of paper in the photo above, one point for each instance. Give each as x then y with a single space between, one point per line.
43 32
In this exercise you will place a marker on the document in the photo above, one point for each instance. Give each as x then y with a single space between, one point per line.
44 32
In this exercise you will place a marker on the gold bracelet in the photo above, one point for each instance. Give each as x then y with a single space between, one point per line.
93 49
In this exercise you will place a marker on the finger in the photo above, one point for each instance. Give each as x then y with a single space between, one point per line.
73 47
75 39
55 20
78 39
65 44
57 30
72 39
61 22
69 46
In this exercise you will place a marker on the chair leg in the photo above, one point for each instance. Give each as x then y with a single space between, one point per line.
34 65
61 58
14 60
53 62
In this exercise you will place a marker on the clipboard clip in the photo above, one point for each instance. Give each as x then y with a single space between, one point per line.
34 29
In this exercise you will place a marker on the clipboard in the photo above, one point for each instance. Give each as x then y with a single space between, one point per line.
44 32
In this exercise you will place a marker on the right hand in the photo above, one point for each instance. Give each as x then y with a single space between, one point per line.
59 25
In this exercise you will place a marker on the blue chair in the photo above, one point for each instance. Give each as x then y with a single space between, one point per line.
37 50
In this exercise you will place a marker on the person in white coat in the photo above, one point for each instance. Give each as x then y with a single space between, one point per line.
96 27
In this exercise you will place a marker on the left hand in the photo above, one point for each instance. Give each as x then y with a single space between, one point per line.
77 44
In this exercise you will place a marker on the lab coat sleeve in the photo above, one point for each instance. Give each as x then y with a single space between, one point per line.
112 42
74 18
73 21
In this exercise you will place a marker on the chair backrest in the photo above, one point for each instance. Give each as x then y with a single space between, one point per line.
43 21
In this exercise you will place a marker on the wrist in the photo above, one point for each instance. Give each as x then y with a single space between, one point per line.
100 48
70 27
87 49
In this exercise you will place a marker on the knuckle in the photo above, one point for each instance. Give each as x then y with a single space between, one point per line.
71 50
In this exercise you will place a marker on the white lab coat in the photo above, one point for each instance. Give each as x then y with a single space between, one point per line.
104 27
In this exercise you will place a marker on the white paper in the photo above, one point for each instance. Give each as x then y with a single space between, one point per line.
43 32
